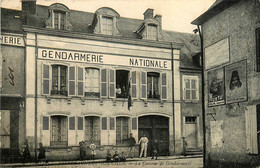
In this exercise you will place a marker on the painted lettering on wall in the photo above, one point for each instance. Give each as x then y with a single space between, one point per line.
12 40
11 76
108 59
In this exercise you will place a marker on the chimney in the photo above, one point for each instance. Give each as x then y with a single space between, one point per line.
148 14
29 7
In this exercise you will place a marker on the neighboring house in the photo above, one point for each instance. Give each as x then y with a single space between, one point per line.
231 38
99 77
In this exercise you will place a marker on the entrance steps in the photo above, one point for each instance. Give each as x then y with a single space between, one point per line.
194 151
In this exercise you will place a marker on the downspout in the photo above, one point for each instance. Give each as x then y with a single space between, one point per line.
203 98
173 98
36 95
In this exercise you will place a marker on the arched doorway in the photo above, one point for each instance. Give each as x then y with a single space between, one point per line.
155 128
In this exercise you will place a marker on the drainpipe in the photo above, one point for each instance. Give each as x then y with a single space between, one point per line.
203 98
36 95
173 98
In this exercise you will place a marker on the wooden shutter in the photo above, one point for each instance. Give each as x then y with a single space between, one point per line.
251 130
134 123
186 88
112 123
72 123
80 81
80 123
164 86
46 79
104 123
103 83
72 81
194 89
45 123
143 85
112 83
133 84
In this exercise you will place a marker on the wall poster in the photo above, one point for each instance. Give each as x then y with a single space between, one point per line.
236 82
216 87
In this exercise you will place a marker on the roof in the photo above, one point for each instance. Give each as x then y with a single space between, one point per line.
82 23
216 8
10 20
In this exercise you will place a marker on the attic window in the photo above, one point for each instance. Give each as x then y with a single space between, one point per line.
152 32
107 25
59 20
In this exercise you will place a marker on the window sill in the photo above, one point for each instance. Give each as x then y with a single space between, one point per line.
58 97
191 101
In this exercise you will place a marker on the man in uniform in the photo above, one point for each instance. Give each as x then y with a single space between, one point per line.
144 143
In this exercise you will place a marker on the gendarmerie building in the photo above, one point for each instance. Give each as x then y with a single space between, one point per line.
97 77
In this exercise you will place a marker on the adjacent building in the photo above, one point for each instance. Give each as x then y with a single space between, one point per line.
230 31
97 77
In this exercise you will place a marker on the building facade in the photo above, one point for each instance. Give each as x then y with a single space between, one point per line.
230 31
97 77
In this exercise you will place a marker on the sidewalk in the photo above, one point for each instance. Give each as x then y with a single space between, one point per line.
52 163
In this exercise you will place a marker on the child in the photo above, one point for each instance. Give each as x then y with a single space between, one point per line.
122 157
155 149
92 146
116 157
42 155
109 156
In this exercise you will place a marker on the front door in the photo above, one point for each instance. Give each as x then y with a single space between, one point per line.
59 133
190 131
92 130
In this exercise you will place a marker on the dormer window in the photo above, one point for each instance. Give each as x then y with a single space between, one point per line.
59 20
58 17
152 32
107 25
105 22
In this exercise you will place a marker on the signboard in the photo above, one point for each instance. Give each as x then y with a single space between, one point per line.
217 54
14 40
96 58
216 87
236 82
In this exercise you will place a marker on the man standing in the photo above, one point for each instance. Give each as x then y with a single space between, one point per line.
144 143
131 141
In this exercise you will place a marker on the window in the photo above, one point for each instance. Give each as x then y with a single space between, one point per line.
258 50
191 119
152 32
107 25
45 123
252 117
59 80
92 130
80 123
59 131
71 123
122 129
112 123
92 82
59 20
153 85
190 88
122 83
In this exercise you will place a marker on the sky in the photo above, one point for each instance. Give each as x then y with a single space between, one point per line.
176 14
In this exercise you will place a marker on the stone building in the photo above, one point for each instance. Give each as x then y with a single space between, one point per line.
230 31
99 77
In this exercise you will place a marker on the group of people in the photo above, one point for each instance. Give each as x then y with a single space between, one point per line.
27 156
116 157
83 150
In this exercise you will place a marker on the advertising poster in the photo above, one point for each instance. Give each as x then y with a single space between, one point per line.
236 82
216 87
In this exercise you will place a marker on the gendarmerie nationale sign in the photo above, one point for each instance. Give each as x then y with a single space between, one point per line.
87 57
15 40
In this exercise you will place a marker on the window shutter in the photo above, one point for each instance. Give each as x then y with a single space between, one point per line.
103 79
72 123
164 86
112 83
46 79
80 81
134 123
133 84
45 123
251 130
72 81
80 123
112 123
104 123
143 85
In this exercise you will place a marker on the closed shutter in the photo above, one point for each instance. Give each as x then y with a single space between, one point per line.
80 123
143 85
72 123
45 123
133 84
186 89
45 79
134 123
194 89
251 130
164 86
103 88
112 83
80 81
104 123
112 123
72 81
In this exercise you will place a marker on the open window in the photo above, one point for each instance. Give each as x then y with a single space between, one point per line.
122 78
153 85
122 129
59 80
